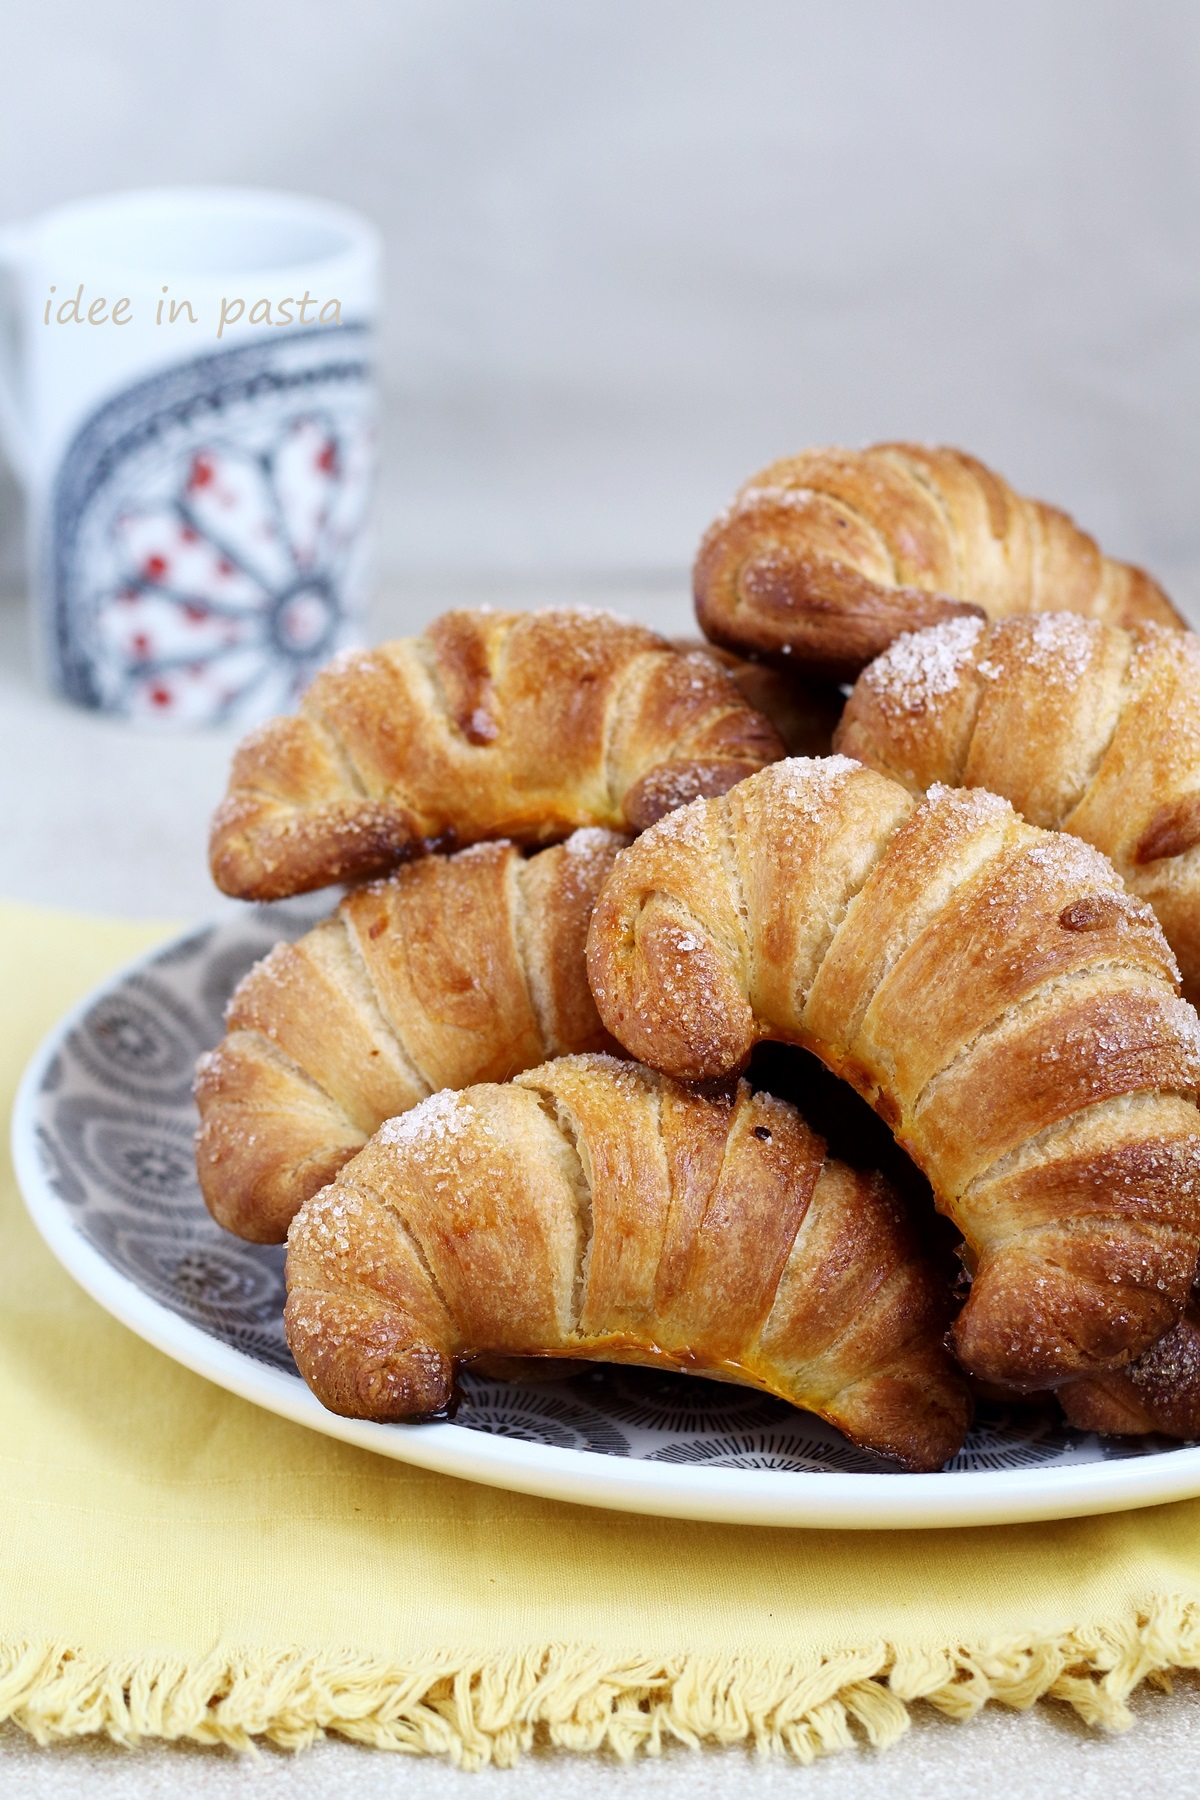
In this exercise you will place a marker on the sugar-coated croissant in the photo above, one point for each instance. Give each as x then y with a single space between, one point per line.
1085 727
1159 1391
823 558
458 969
593 1209
990 988
520 725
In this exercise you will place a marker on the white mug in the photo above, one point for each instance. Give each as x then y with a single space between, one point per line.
186 396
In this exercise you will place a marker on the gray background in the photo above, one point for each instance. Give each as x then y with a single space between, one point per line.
638 248
635 251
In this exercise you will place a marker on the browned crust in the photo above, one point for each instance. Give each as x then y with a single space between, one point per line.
260 849
602 1212
825 557
1067 1305
457 969
755 595
672 785
267 1137
1159 1391
1083 726
933 957
1174 829
519 725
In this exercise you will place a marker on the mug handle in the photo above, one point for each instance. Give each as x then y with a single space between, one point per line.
14 427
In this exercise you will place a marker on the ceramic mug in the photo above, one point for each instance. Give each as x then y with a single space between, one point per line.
186 396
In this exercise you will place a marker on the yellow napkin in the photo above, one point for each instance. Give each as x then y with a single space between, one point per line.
175 1563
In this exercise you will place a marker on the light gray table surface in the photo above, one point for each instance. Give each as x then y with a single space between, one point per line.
100 818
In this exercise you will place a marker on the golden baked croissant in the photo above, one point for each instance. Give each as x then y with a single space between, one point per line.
823 558
520 725
1159 1391
457 969
989 987
1085 727
593 1209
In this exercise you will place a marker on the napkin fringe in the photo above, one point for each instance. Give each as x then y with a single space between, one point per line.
489 1710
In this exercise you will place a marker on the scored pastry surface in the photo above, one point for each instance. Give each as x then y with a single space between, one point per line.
1085 727
457 969
823 558
991 988
489 725
594 1209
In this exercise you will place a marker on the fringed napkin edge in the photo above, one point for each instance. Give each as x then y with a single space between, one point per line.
488 1711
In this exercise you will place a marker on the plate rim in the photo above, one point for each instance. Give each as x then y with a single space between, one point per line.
812 1499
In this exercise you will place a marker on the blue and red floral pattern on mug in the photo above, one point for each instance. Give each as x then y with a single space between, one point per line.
189 404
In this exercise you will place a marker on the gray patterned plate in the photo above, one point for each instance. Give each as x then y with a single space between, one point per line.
102 1138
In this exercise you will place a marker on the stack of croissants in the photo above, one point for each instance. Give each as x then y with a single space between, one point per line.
498 1103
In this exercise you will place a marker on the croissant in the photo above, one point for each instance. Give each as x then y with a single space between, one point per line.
1159 1391
593 1209
457 969
1085 727
991 988
518 725
823 558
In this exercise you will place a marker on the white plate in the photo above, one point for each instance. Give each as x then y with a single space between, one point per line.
102 1140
